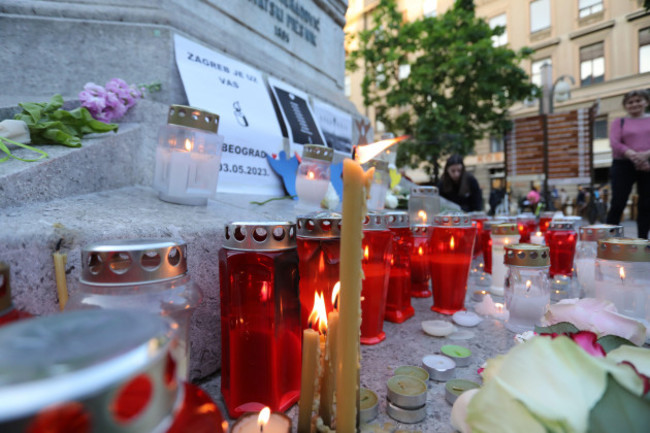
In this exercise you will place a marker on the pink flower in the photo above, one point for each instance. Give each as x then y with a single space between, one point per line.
587 340
128 94
110 103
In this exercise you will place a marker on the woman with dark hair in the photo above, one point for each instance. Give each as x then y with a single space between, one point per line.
459 186
629 138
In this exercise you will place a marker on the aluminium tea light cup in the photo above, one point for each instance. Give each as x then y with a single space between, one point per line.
406 416
407 392
459 354
368 404
455 387
441 368
412 370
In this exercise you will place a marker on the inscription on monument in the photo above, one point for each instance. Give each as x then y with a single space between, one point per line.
292 18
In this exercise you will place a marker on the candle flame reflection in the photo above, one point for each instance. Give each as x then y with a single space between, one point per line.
451 243
188 145
365 253
263 418
335 295
318 315
420 251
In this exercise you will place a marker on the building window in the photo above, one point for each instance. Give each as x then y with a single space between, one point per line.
348 86
540 15
430 8
499 21
644 50
589 7
600 128
592 64
496 144
536 71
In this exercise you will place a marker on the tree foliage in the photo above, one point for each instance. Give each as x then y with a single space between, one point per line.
459 87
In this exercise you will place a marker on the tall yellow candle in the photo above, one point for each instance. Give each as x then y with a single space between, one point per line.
60 259
329 372
309 378
356 184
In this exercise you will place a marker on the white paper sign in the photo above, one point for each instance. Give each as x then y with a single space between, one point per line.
297 115
336 126
237 93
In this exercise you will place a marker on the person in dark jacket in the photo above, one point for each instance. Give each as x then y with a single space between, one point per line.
459 186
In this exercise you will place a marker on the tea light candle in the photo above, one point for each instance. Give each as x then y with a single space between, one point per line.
264 422
466 318
411 370
441 368
460 355
369 405
479 295
437 328
407 392
455 387
537 238
406 416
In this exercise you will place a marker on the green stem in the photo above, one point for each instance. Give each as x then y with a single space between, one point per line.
5 149
260 203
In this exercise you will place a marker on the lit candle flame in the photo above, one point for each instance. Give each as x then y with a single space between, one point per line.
224 426
366 253
528 284
335 295
422 215
188 145
507 241
499 307
318 315
621 272
420 251
538 234
451 243
368 151
263 418
310 175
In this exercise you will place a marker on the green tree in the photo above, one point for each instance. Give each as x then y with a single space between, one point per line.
459 88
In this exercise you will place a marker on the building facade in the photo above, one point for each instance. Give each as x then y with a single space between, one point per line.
601 48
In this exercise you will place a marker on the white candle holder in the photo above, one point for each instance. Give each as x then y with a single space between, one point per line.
188 156
502 235
379 185
424 204
313 177
586 251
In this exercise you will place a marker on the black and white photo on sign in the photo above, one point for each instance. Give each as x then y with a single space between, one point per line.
336 126
237 93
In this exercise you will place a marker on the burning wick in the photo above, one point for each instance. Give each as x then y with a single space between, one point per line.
310 175
263 418
528 284
318 315
621 272
423 215
188 144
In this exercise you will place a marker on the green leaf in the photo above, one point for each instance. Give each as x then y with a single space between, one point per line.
619 410
611 342
558 328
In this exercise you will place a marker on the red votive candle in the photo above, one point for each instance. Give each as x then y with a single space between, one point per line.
377 252
420 267
260 317
561 238
452 243
8 313
478 221
398 299
318 240
486 245
526 224
545 221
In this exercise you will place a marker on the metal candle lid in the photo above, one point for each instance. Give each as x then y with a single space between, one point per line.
319 225
624 250
191 117
476 215
314 151
421 231
260 236
424 190
397 219
561 224
95 364
5 287
547 214
129 261
375 221
596 232
505 229
529 255
452 221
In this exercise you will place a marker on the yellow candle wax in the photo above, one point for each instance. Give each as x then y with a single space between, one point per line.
309 377
329 372
356 183
60 260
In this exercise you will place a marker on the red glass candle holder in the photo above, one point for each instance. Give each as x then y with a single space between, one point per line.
561 238
318 240
545 221
377 252
398 299
486 245
526 224
420 267
260 317
478 221
452 244
8 313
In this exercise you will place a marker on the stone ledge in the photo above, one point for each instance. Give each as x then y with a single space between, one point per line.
32 231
